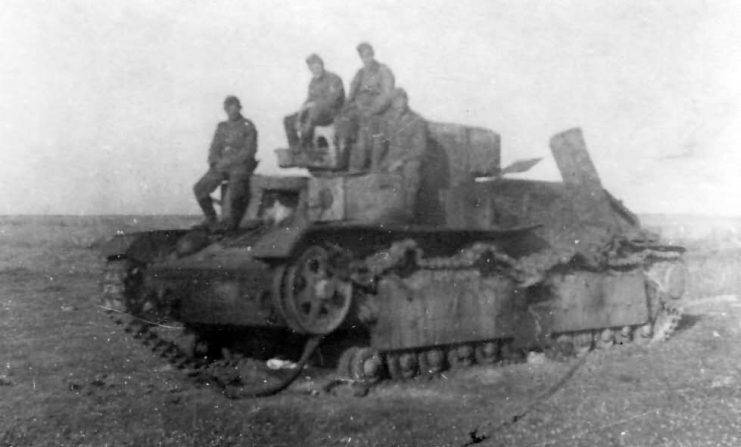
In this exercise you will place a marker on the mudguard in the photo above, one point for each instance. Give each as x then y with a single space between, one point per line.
143 246
280 242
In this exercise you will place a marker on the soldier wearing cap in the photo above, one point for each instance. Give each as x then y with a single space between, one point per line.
405 138
368 100
231 158
323 103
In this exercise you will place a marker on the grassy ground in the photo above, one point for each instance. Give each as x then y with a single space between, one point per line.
70 377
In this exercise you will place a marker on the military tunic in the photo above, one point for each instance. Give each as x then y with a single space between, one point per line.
328 95
231 157
362 120
406 144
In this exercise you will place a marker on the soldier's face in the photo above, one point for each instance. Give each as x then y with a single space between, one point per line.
316 69
367 57
399 103
232 110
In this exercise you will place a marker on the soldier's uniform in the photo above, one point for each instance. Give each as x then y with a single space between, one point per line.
328 95
405 136
231 157
368 100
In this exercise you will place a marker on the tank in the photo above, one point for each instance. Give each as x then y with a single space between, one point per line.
481 269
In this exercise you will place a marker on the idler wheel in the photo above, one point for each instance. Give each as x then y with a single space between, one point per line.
366 365
314 300
460 356
431 361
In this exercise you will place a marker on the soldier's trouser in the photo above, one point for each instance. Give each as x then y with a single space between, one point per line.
234 203
291 123
368 137
411 180
307 121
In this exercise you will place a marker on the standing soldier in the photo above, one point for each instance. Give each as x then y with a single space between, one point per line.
232 158
323 104
369 99
405 133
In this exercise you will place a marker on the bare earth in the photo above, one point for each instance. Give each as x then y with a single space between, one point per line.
68 376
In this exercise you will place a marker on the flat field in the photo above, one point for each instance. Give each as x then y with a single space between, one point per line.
69 377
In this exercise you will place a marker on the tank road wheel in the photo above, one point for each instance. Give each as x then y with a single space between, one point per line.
393 366
366 365
604 339
642 334
487 353
431 361
623 336
401 366
509 353
314 299
408 364
583 343
345 362
460 356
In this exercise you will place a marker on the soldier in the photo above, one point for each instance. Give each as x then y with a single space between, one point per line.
323 104
405 135
231 157
369 99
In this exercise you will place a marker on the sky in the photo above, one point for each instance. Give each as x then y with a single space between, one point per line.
108 107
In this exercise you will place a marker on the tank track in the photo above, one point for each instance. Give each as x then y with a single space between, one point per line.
366 365
362 364
230 373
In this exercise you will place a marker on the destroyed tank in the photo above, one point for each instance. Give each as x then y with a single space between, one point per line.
482 269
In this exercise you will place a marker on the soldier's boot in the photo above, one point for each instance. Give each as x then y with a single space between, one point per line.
211 220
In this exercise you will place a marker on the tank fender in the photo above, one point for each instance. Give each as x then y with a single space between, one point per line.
280 242
118 245
142 246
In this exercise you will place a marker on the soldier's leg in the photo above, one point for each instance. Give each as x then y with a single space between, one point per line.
290 124
378 141
411 174
360 154
347 130
237 199
203 189
308 122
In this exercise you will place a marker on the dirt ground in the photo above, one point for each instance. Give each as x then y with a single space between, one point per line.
68 376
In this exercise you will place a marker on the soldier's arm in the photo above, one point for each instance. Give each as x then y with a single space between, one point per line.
417 131
418 145
354 86
383 100
334 92
214 152
309 99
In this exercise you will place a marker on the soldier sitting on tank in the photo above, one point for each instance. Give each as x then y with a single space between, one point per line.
405 141
231 158
324 102
362 118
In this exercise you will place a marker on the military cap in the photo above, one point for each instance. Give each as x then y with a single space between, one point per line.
231 99
314 59
365 46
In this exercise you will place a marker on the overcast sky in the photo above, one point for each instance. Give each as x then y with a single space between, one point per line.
109 106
